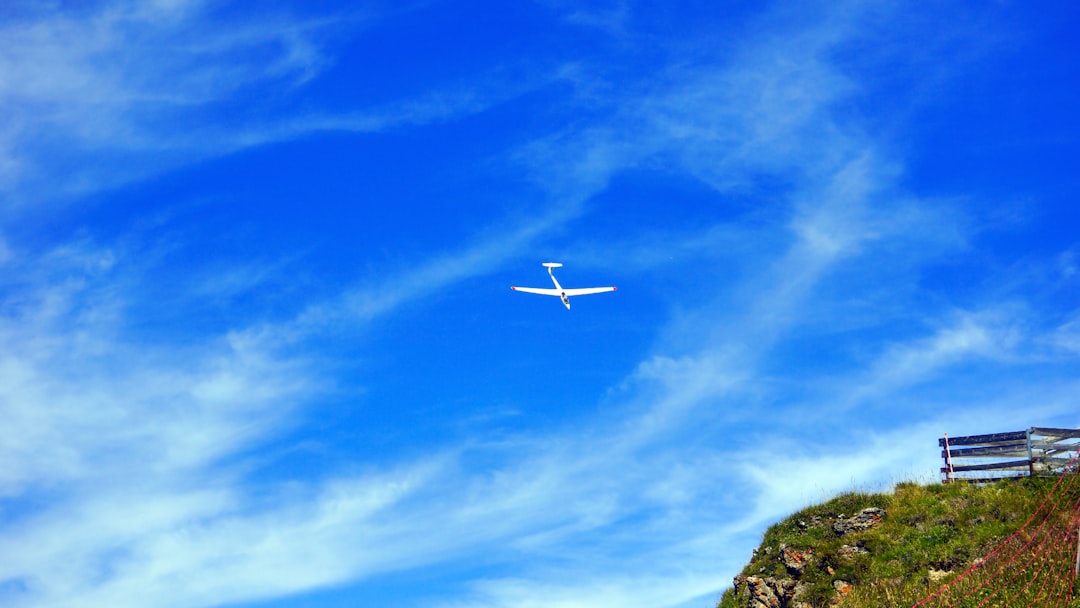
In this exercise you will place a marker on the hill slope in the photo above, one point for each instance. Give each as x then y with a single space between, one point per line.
878 550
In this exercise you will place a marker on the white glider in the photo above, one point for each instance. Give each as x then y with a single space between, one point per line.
564 294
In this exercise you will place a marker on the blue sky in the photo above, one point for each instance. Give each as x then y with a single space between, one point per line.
257 346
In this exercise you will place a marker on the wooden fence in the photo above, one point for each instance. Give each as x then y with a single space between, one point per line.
1036 451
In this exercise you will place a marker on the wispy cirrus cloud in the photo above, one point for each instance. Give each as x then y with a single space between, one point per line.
78 398
95 96
145 506
970 337
128 463
121 460
120 91
665 589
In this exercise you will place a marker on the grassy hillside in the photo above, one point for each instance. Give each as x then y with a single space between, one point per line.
923 536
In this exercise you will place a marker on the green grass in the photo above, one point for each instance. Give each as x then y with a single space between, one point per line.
927 527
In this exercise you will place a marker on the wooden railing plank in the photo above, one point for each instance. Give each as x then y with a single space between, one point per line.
981 439
1054 445
1008 449
993 466
1063 433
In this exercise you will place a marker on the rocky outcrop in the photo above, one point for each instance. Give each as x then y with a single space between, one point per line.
780 592
765 592
863 520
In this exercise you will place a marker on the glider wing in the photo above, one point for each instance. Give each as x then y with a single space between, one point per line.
584 291
541 291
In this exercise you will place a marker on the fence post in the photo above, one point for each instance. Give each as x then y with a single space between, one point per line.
1031 458
1076 519
1076 514
948 462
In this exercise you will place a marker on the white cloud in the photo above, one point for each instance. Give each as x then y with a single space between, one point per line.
968 337
1067 336
119 91
663 589
137 455
117 80
107 443
142 544
798 476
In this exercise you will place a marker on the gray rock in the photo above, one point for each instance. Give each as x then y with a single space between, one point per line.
766 592
863 520
795 560
850 551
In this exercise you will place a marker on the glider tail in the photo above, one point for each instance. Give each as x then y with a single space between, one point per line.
552 266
